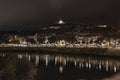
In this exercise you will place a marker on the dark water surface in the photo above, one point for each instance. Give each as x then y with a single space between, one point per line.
36 66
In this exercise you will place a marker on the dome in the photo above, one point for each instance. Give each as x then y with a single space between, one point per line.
61 21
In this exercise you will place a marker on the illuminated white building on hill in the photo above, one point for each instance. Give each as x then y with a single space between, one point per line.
61 21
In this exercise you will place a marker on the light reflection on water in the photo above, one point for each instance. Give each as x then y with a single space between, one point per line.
62 66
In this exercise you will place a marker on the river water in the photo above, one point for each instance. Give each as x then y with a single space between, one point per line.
37 66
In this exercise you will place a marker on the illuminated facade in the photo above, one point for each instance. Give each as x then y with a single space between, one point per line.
61 21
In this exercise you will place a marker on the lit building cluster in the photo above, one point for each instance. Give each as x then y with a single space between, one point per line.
91 41
66 35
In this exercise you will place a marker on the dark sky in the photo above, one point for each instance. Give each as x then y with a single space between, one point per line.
26 14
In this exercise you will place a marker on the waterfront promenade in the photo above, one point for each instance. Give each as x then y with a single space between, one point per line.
64 45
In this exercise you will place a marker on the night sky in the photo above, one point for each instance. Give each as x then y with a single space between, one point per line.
29 14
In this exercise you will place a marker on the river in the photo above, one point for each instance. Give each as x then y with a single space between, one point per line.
37 66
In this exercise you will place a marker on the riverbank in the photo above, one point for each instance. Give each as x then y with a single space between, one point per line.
65 50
